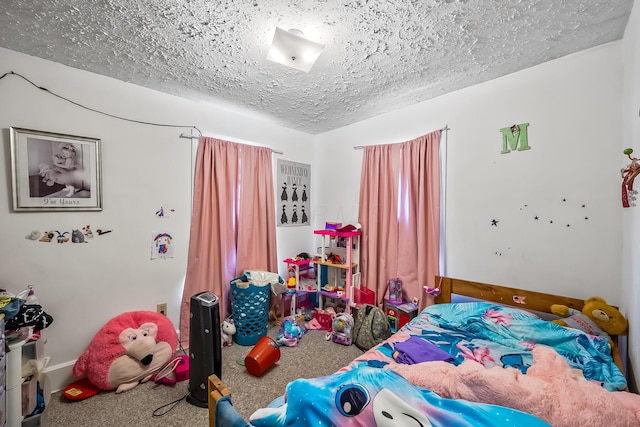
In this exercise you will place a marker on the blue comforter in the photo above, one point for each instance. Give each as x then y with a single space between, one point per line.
497 335
369 397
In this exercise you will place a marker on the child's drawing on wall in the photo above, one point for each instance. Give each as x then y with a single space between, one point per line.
162 245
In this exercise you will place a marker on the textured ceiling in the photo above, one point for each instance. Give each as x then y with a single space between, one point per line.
380 55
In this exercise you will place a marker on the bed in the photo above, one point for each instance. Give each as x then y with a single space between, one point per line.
485 361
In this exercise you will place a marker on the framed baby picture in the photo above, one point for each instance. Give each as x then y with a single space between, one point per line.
55 172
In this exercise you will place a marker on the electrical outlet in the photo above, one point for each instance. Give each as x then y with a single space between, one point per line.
162 308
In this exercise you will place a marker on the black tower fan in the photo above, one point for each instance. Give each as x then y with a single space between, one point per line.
205 354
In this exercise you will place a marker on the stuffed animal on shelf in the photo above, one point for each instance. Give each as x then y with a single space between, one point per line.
128 350
227 330
596 318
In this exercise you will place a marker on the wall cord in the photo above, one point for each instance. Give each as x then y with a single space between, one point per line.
11 73
168 407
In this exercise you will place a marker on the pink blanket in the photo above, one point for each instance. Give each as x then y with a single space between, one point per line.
551 390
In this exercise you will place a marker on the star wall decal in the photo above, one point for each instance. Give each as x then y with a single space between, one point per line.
567 223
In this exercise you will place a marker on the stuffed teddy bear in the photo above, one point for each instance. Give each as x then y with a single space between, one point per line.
596 318
128 350
227 330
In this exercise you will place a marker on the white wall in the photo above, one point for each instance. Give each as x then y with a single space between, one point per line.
84 285
573 107
630 218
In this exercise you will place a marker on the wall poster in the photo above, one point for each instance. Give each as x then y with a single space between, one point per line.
293 188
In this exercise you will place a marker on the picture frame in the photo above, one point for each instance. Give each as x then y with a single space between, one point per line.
55 172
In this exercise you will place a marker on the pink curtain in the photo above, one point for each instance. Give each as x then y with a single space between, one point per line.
233 221
400 215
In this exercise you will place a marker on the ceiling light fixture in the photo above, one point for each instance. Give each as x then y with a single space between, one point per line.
292 49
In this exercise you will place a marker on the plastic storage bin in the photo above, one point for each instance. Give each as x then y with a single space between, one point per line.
364 295
250 310
263 356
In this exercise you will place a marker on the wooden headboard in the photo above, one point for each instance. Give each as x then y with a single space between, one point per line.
528 300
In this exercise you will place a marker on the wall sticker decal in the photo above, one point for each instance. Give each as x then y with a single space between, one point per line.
629 174
515 137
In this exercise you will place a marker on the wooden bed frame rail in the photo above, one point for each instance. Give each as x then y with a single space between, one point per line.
528 300
216 390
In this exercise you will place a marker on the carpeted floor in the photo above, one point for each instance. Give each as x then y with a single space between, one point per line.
314 356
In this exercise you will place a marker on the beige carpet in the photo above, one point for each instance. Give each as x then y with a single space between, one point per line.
312 357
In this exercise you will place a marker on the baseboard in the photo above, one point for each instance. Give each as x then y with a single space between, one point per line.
60 375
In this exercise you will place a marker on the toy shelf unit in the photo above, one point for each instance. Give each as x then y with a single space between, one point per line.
300 280
338 270
25 362
302 273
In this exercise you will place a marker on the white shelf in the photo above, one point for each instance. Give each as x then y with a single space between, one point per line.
3 375
20 351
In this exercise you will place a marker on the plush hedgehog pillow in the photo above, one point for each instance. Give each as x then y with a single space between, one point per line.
128 350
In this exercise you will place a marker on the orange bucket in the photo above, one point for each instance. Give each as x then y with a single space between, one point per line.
262 356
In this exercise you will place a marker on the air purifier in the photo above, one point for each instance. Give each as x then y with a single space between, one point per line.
205 354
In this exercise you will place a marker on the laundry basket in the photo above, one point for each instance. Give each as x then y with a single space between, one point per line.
250 304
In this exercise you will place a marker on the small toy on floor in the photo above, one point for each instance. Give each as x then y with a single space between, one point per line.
341 329
175 371
290 332
227 330
80 389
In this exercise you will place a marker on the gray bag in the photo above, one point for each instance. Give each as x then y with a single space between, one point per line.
371 328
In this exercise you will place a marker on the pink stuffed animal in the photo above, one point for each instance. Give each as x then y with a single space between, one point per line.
128 350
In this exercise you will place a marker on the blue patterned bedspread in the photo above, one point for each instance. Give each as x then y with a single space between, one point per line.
368 397
496 335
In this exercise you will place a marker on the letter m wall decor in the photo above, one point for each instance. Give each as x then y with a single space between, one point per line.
515 138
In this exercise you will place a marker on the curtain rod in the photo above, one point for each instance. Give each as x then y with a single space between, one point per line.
197 137
444 129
